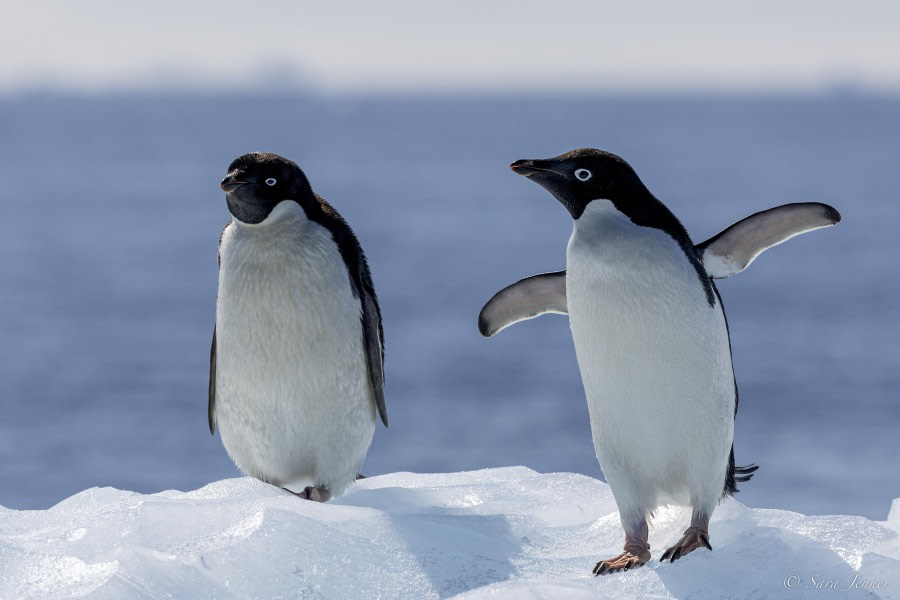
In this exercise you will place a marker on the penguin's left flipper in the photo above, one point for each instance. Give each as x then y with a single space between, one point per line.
372 337
211 408
732 250
525 299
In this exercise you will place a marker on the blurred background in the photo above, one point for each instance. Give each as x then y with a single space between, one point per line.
117 123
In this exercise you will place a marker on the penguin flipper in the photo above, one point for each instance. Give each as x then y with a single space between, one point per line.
211 409
732 250
371 322
525 299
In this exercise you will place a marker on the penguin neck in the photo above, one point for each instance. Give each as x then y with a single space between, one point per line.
643 209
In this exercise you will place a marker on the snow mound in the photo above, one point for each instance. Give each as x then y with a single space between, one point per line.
506 533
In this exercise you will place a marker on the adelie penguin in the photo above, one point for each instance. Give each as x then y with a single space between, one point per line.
296 365
650 337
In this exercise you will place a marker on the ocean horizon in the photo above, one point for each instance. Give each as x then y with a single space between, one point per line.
112 211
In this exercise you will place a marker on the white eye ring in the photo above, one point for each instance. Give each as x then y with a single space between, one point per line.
583 174
271 181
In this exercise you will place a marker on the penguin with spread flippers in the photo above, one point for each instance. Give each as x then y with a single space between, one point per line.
650 336
296 365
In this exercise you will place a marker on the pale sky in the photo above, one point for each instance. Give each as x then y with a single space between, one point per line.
403 46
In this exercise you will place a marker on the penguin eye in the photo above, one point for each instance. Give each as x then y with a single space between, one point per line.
583 174
271 181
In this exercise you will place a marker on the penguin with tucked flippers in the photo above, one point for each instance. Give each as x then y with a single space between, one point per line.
296 365
650 337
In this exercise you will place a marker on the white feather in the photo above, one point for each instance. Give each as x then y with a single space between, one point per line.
294 406
655 362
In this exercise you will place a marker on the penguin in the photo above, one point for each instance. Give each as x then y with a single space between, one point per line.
297 358
651 338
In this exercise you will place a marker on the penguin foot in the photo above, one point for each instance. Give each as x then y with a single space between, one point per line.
622 562
312 493
693 538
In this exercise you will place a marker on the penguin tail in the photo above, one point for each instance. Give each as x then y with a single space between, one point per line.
736 475
742 474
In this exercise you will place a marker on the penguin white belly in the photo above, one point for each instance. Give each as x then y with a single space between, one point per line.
294 404
655 362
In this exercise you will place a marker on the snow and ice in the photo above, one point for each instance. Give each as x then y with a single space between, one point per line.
507 533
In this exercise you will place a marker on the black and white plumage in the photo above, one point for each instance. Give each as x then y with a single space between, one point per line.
296 364
650 336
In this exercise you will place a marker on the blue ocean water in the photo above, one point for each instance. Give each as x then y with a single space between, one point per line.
111 212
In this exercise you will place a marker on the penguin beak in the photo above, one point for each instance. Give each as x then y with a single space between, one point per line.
231 183
549 174
529 168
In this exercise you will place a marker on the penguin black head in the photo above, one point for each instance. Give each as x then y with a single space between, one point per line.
258 181
580 176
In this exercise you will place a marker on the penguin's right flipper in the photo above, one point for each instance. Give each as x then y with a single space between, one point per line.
525 299
211 408
732 250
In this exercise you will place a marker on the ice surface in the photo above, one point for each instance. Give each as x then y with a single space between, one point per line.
506 533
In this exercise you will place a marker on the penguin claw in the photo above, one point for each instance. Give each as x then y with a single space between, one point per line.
312 493
693 538
622 562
